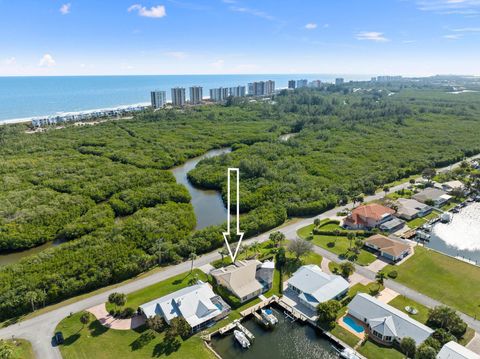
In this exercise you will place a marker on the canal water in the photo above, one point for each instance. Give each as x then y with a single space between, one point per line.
207 204
461 237
287 340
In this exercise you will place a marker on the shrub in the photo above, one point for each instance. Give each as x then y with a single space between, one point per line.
393 274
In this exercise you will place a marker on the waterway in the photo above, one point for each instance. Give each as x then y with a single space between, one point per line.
14 257
286 341
461 237
207 204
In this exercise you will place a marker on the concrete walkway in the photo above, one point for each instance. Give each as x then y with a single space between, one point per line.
387 295
377 265
100 312
325 267
474 344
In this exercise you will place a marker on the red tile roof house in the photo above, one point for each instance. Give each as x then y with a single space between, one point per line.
368 216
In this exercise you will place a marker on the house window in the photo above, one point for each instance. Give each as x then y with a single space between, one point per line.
377 334
388 339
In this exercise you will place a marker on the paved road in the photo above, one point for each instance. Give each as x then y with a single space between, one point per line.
39 330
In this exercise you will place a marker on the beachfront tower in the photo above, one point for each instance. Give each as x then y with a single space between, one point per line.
196 95
159 99
178 96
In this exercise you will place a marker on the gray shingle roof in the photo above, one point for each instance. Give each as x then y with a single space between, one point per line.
386 319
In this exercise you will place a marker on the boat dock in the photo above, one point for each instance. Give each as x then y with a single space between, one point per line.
245 331
227 328
293 314
259 306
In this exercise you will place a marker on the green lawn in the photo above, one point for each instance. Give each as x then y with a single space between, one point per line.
400 302
22 349
373 350
99 342
448 280
339 245
160 289
345 336
420 221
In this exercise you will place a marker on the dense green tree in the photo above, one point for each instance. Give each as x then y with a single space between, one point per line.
328 312
408 347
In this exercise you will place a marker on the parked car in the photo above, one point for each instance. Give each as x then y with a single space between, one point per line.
59 338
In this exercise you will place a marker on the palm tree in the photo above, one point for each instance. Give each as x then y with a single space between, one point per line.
386 189
223 252
380 277
192 257
351 237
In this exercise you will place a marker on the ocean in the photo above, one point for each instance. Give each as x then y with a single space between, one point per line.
26 97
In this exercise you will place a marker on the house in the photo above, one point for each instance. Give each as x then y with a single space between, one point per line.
453 186
392 225
368 216
453 350
385 323
246 279
391 249
197 304
409 209
313 286
437 196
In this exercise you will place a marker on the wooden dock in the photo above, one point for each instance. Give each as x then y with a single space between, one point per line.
259 306
292 311
247 332
227 328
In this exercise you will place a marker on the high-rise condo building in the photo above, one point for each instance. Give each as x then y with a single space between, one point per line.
237 91
251 89
302 83
269 87
339 81
316 84
196 95
291 84
219 94
178 96
158 98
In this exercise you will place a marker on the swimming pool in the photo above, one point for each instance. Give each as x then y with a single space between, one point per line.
352 324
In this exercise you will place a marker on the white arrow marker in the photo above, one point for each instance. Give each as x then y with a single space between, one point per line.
238 233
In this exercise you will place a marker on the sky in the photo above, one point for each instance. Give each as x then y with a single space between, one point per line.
142 37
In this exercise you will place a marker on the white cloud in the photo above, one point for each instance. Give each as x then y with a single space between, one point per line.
65 9
371 36
179 55
10 61
218 64
229 1
453 36
446 7
157 11
47 61
253 12
311 26
467 29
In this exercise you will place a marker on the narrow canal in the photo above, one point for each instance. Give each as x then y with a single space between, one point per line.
287 340
207 204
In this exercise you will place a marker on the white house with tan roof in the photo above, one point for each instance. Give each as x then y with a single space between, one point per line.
392 249
246 279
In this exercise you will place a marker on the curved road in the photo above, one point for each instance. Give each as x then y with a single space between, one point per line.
39 330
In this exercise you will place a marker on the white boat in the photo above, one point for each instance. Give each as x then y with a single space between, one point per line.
348 353
424 236
242 339
446 217
267 314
